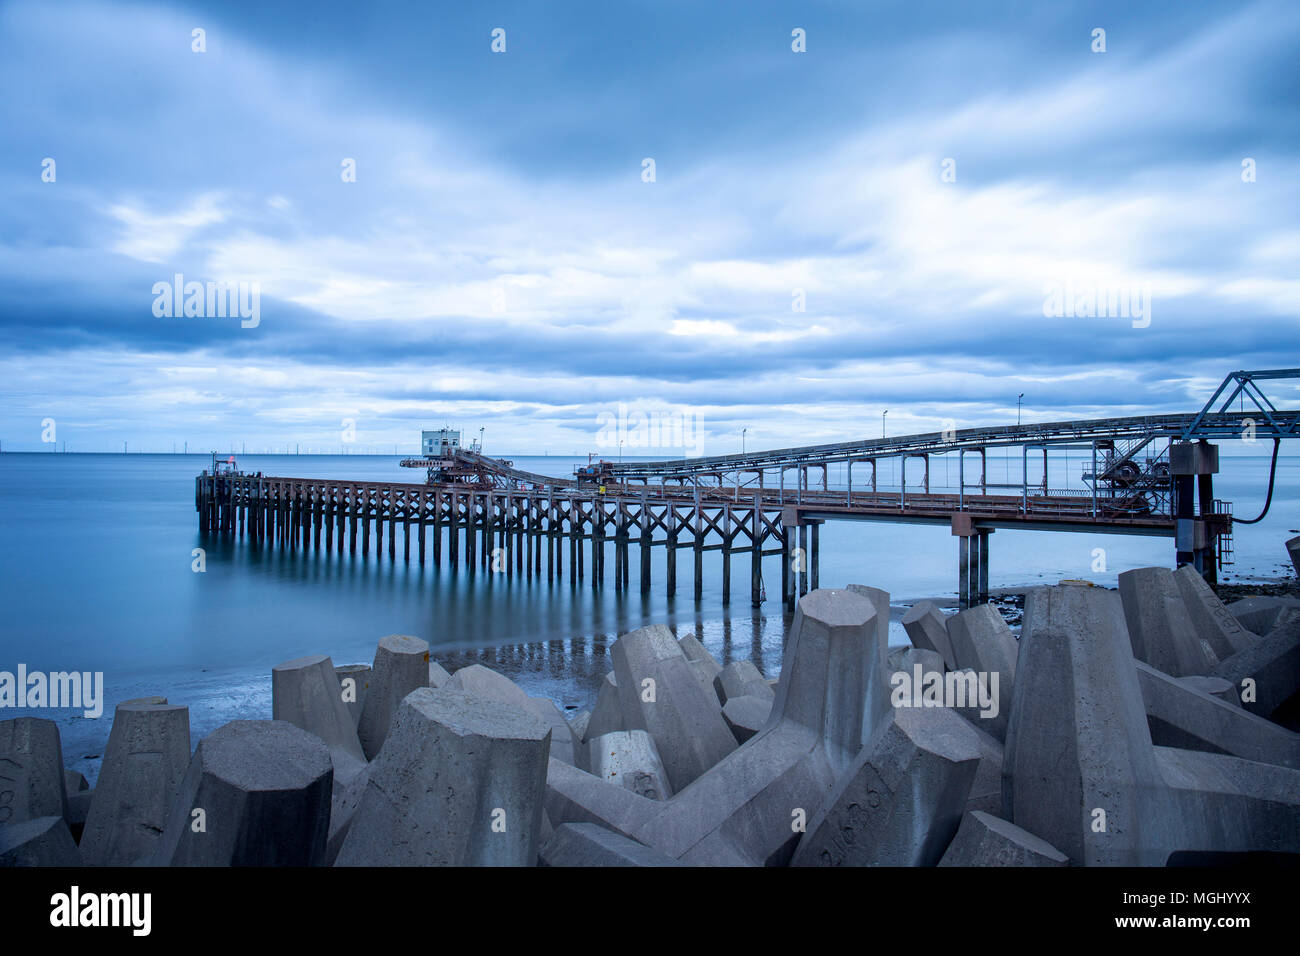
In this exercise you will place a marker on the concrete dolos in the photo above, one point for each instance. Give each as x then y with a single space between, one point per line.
660 693
146 759
460 782
257 793
401 666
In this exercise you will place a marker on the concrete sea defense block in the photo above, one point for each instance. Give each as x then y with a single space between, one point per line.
747 715
438 675
1159 625
1224 804
630 759
1271 665
831 670
1213 623
460 782
344 801
984 839
586 844
741 679
1214 686
607 715
982 642
1260 614
930 661
986 789
146 759
1293 549
257 793
575 796
704 664
306 692
927 630
74 782
31 770
1179 715
40 841
659 693
749 809
477 679
562 742
401 666
578 724
1078 752
903 799
878 704
78 809
354 679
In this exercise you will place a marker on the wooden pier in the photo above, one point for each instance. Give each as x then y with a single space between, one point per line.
1150 475
572 532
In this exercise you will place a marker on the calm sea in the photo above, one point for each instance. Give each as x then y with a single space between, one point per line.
95 556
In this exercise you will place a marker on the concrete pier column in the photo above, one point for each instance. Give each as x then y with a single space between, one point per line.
620 556
963 529
963 577
726 556
557 525
789 520
645 545
597 544
420 532
437 528
392 526
535 525
756 551
802 566
982 596
365 522
575 545
318 516
671 556
1194 464
354 511
699 548
508 533
814 555
517 533
341 509
550 540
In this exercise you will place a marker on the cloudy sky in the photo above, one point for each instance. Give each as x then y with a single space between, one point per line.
918 181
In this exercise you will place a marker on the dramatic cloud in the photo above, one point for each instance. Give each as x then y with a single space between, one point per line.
879 222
